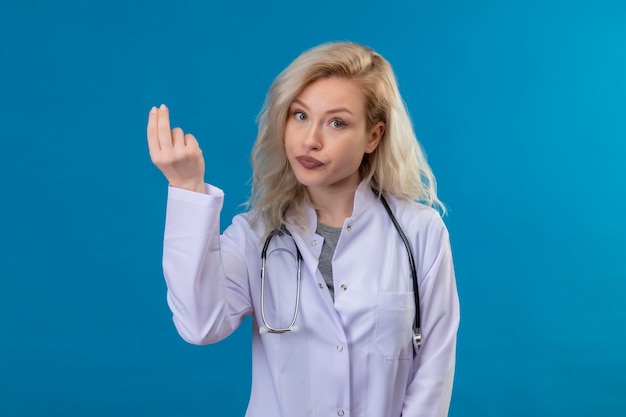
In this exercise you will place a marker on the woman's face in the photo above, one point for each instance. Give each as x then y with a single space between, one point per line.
326 135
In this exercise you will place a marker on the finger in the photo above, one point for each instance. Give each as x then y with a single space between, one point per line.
178 137
190 140
153 136
163 127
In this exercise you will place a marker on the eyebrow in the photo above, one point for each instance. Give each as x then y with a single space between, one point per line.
331 111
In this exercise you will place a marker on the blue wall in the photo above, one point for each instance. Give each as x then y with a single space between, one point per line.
521 106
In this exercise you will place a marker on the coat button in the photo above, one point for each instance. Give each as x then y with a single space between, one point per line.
320 285
339 348
313 242
349 226
340 413
344 287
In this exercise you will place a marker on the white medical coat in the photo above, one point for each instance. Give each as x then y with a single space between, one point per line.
351 358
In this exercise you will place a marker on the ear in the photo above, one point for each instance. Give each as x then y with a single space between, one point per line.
375 135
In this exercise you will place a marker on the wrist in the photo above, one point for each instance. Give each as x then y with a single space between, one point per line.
195 187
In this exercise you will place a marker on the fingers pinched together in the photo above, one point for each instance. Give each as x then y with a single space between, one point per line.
176 154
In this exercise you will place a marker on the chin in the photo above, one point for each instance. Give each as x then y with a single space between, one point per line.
308 179
309 183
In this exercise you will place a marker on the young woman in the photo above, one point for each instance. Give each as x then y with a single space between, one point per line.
342 226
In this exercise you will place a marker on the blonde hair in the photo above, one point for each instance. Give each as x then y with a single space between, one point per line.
397 167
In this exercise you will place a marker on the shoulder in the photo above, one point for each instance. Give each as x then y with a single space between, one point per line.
417 216
423 226
428 234
247 232
245 224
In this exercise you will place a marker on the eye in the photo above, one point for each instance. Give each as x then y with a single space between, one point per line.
337 124
299 115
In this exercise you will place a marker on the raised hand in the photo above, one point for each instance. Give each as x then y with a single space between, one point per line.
175 153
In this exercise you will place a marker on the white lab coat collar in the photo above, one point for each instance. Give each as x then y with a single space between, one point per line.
310 243
363 198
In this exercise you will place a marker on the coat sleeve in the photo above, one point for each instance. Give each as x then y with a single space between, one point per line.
430 390
207 303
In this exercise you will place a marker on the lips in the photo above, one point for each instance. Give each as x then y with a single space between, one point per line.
308 162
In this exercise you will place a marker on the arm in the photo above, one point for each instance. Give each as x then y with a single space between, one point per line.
430 391
206 305
207 285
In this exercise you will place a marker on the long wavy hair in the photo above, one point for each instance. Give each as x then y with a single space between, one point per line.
397 167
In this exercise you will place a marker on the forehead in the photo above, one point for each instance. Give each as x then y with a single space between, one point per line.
331 93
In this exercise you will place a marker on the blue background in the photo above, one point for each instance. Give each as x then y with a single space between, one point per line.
520 105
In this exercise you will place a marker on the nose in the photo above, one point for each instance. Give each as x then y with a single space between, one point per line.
313 137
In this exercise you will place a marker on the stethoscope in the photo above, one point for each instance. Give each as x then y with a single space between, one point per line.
266 328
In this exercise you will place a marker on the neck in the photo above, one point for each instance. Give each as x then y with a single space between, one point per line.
333 207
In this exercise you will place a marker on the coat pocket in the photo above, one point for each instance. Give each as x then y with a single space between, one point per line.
394 324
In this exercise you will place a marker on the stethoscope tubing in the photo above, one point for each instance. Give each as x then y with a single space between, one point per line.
266 328
292 326
417 325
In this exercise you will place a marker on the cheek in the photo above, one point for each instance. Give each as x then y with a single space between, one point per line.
351 158
288 136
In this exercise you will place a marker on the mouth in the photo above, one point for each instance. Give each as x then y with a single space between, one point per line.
308 162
